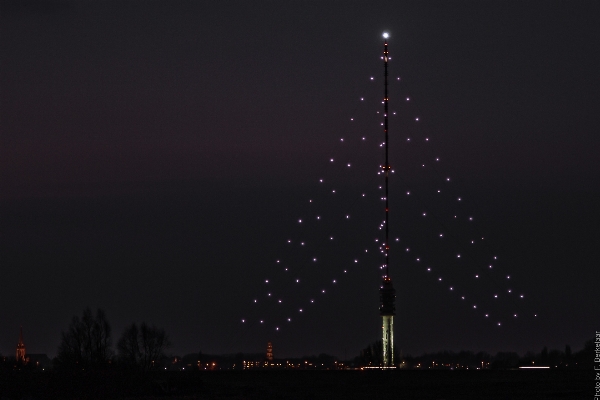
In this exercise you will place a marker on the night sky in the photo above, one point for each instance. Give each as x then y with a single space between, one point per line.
156 156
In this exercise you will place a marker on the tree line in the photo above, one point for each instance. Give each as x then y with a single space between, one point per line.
87 344
583 359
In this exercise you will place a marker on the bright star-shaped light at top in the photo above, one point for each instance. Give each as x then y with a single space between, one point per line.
386 35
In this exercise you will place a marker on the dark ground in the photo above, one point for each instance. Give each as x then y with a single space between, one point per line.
514 384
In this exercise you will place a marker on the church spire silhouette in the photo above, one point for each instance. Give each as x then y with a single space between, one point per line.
21 348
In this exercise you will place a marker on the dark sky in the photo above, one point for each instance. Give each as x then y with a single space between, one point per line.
155 157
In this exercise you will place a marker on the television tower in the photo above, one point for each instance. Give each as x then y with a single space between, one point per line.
387 293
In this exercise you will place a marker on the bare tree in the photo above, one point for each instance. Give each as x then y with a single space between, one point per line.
129 346
87 342
142 346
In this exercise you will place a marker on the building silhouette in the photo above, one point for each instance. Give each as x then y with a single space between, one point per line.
21 348
269 352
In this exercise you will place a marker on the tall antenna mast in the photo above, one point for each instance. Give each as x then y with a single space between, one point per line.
386 167
387 294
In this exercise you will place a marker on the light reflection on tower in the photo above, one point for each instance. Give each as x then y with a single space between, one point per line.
387 293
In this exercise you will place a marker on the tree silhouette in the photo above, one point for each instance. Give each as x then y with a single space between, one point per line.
142 347
87 342
372 354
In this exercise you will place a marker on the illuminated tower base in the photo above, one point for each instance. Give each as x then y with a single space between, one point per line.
387 310
388 340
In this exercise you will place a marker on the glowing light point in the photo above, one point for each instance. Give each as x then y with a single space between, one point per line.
261 321
300 310
416 119
385 36
243 320
463 297
266 281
